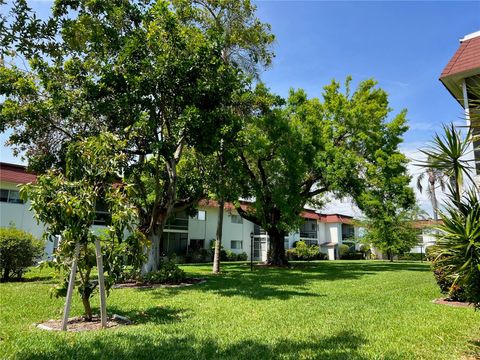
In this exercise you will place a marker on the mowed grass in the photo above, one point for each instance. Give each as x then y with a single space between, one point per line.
318 310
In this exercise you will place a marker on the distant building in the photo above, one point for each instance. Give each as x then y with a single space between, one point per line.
461 77
182 232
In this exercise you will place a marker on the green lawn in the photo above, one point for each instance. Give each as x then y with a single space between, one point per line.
322 310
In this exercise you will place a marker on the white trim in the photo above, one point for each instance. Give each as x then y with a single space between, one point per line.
470 36
465 101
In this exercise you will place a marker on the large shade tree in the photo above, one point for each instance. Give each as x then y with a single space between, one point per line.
247 45
294 151
151 72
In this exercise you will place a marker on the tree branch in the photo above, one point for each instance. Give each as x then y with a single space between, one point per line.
247 216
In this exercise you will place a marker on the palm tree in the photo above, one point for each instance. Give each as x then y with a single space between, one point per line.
435 178
447 155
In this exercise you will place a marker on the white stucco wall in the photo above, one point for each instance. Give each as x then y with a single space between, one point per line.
199 229
19 216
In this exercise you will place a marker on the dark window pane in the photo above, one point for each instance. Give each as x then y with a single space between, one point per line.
3 195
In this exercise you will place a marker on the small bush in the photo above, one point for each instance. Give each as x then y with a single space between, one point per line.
199 256
18 251
304 252
343 249
168 273
242 256
413 256
353 255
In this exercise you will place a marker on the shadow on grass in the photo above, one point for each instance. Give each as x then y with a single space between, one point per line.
474 352
284 283
121 345
154 315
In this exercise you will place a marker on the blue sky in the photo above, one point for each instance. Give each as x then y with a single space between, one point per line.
404 45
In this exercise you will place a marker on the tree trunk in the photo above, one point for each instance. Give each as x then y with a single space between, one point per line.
162 210
218 239
6 273
390 255
153 251
86 307
277 248
433 197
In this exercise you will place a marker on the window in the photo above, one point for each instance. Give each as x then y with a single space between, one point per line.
201 215
102 216
196 244
10 196
236 245
3 195
236 219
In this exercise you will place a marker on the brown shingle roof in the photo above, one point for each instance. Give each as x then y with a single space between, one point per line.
466 58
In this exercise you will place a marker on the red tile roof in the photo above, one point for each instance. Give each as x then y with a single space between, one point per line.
309 214
15 174
227 206
420 224
306 213
466 58
335 218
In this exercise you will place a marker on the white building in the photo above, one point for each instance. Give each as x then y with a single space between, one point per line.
183 232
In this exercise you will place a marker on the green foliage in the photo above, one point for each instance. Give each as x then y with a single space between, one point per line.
456 255
447 284
199 256
393 232
18 251
343 249
302 251
161 75
447 155
66 205
242 257
412 256
167 273
341 144
457 250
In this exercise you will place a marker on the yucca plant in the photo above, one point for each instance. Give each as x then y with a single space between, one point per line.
447 155
457 251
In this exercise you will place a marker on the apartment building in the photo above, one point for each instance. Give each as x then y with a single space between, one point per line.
183 232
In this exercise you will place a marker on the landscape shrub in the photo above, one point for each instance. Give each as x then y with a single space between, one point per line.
242 256
199 256
304 252
18 251
353 255
168 273
412 256
343 249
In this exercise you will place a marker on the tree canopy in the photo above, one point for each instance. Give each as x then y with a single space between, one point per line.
294 151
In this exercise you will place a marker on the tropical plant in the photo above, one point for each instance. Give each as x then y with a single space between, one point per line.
456 255
18 251
66 204
457 251
446 154
152 72
435 179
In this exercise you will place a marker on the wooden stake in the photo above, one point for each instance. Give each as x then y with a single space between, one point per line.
101 284
71 285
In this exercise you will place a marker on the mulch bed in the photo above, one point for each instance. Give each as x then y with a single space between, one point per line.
137 285
79 323
452 303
